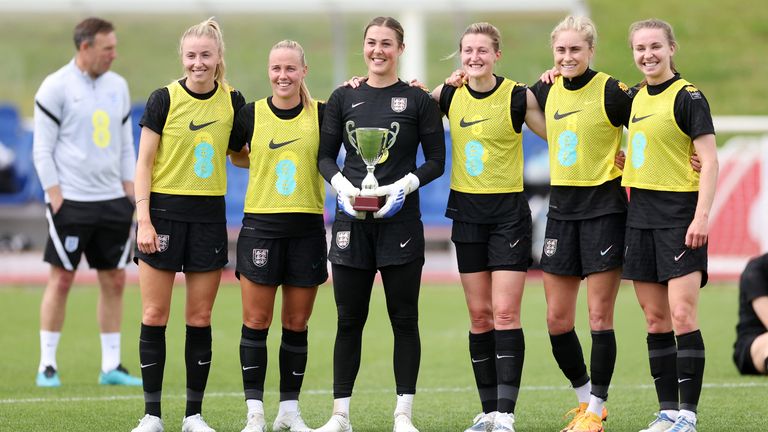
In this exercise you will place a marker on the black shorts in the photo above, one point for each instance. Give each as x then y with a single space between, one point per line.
490 247
582 247
368 246
187 246
296 261
742 356
100 229
658 255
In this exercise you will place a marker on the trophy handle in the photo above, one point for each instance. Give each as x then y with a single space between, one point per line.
393 137
350 127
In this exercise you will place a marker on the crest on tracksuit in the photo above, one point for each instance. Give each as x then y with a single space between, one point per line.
550 247
164 240
399 104
260 257
342 239
71 243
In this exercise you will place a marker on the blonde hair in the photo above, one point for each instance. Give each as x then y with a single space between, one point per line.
482 28
655 23
582 25
210 29
306 98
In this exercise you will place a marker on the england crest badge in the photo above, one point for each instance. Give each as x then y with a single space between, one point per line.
550 247
71 243
260 257
342 239
164 240
399 104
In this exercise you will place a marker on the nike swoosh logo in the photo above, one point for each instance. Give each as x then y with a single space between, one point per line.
402 245
480 360
202 363
512 245
296 373
559 116
147 365
636 119
355 105
194 127
680 381
677 257
274 146
463 123
504 356
217 250
603 252
249 367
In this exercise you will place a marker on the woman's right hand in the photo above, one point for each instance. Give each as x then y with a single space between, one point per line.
146 238
548 77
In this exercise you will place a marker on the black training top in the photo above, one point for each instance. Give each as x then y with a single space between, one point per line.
753 284
410 112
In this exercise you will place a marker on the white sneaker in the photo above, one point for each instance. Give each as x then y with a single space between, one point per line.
683 424
339 422
403 424
503 422
482 423
661 423
290 421
149 423
195 423
255 423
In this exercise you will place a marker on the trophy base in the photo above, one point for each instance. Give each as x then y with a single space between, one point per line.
368 203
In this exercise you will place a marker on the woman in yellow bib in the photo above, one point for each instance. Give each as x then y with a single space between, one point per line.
491 218
180 185
586 112
282 241
667 225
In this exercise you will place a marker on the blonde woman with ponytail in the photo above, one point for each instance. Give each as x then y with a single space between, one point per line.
180 186
586 112
282 242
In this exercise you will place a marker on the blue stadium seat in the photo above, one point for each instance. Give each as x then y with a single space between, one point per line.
137 110
20 142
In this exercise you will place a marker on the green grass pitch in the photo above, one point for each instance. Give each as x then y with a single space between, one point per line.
446 399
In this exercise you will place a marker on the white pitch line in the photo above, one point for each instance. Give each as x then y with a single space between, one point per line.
368 391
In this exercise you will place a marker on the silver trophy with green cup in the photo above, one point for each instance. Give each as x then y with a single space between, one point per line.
372 144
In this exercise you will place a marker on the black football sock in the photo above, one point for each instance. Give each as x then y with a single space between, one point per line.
662 357
293 362
510 354
197 354
482 349
253 361
690 368
152 359
602 361
569 356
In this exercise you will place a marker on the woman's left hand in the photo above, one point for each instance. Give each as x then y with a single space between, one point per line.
354 82
698 231
457 79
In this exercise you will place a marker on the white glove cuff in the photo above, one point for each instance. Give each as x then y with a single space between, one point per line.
411 183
